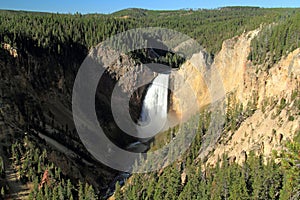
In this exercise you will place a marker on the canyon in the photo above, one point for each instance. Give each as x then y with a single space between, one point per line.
36 101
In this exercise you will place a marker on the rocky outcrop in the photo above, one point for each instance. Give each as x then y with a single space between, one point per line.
189 85
262 133
270 126
277 119
126 79
197 79
12 51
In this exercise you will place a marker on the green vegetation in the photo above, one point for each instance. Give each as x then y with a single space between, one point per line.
277 40
33 166
56 32
252 180
257 178
291 167
43 35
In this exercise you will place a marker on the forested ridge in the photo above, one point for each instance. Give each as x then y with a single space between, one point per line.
209 27
49 46
276 40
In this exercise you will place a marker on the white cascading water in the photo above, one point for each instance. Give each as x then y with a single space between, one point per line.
155 105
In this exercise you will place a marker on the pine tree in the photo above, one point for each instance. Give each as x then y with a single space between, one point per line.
69 188
290 164
118 192
173 184
80 191
238 187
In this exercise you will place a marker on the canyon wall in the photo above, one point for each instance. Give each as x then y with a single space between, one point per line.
233 74
209 83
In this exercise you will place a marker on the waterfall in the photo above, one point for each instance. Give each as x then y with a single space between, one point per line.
155 106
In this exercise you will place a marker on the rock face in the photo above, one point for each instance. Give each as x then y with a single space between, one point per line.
198 83
190 87
277 118
262 132
13 51
208 83
126 79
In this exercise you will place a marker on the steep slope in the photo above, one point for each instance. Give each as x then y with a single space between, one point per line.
198 78
277 118
262 117
38 74
252 87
